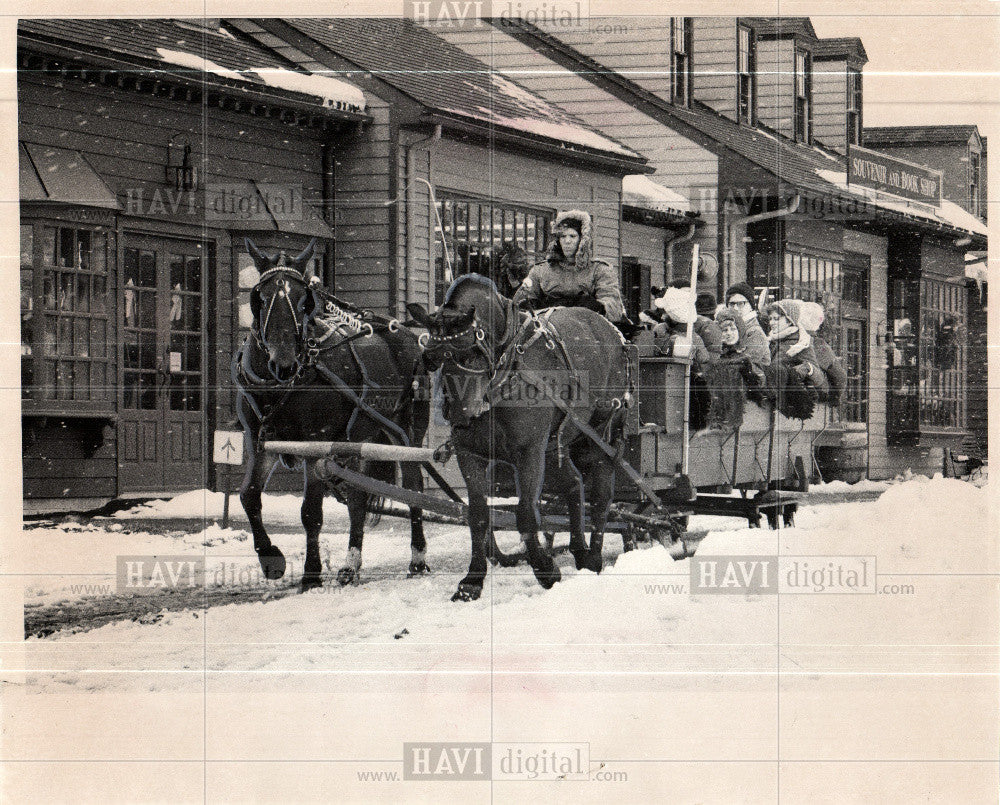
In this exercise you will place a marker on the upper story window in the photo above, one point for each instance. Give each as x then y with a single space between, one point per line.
746 71
854 122
975 178
680 60
803 96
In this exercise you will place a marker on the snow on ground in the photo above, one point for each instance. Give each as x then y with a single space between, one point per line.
616 619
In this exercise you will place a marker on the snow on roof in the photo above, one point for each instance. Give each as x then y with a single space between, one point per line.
554 129
333 92
641 191
948 213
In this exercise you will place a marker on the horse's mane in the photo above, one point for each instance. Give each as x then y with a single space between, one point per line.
459 285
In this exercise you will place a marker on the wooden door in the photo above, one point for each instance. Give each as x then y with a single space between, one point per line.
162 439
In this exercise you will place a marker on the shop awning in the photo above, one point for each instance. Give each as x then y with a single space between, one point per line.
251 206
61 175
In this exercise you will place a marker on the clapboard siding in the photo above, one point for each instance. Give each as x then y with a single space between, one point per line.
364 265
124 136
625 44
776 84
830 103
475 170
56 465
680 163
714 63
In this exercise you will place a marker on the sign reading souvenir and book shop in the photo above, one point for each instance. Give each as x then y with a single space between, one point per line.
895 176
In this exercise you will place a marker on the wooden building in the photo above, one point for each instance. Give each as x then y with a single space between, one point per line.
150 150
728 110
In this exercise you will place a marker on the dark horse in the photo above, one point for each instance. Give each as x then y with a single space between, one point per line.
501 371
315 368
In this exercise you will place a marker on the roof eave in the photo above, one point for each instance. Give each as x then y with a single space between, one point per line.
268 96
482 128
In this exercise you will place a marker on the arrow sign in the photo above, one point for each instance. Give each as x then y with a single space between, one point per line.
228 447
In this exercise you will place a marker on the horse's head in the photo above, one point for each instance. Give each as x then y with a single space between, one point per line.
282 302
462 337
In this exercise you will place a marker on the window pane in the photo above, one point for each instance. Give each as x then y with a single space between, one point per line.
83 254
66 258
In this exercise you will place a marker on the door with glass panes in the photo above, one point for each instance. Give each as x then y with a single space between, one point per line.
162 425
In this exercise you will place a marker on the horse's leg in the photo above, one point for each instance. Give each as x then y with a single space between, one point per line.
357 510
566 480
312 521
272 560
414 479
603 490
530 474
474 471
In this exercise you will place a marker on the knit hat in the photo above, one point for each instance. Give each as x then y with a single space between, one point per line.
726 315
678 305
742 289
791 309
811 318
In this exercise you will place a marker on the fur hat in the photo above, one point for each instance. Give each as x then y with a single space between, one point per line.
742 289
678 305
580 221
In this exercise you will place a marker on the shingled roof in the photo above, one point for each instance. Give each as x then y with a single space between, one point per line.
445 79
840 47
917 135
192 51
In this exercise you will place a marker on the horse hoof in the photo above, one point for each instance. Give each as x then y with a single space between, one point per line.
678 550
548 576
417 569
594 563
272 562
311 581
467 592
348 575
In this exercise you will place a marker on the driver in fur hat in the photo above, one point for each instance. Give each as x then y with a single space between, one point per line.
571 276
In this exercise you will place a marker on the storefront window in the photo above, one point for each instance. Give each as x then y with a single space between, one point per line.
942 354
475 231
65 352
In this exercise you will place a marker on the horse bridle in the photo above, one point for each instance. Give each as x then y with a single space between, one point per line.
260 331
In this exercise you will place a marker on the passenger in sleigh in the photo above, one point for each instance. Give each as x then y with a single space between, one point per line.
571 276
832 366
740 372
670 337
795 379
704 325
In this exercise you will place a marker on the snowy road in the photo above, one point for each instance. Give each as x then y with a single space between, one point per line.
286 697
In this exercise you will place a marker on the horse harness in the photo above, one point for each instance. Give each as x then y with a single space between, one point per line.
536 326
345 325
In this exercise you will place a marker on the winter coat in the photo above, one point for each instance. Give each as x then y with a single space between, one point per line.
711 335
666 334
833 368
748 350
571 282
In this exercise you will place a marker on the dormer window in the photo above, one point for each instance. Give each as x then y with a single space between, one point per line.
680 62
854 122
975 176
803 96
746 75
